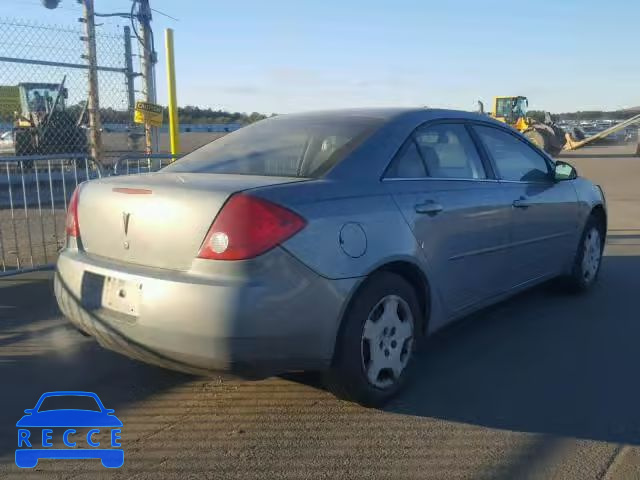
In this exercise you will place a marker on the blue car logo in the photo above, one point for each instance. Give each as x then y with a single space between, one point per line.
36 430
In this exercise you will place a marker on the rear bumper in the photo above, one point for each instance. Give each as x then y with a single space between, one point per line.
278 319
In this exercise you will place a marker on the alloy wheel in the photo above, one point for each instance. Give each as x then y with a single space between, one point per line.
387 341
591 255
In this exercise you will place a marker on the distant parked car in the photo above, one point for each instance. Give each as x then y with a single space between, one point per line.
326 241
6 142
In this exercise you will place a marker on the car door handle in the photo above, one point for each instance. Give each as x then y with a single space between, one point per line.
521 203
429 207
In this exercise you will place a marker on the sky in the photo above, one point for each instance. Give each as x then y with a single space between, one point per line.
285 56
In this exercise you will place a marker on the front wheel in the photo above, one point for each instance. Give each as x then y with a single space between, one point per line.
588 259
374 350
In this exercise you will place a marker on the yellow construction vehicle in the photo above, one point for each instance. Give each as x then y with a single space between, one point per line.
513 111
42 124
546 135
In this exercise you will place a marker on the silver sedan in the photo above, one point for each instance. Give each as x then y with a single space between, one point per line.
328 241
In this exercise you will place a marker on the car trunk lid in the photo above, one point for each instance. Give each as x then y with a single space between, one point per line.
159 219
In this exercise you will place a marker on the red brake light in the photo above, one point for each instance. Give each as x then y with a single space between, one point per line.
247 227
72 225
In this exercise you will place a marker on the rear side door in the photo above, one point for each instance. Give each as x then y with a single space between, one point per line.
458 212
544 212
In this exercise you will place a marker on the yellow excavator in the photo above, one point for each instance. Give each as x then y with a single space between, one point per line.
513 111
42 123
546 135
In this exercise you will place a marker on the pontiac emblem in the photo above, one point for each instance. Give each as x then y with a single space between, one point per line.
125 222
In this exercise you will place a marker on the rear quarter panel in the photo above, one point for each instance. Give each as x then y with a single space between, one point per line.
330 205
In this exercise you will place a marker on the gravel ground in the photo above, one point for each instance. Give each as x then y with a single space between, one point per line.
47 236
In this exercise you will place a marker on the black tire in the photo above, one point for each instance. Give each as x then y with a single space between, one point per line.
347 377
24 142
537 138
554 150
579 280
558 141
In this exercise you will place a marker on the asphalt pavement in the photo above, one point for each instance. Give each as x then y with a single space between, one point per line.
541 386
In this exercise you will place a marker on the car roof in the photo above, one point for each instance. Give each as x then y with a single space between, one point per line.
398 123
391 113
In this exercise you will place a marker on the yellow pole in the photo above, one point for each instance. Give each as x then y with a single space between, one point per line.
174 130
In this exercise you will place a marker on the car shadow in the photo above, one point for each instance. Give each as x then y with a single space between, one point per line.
40 352
26 298
543 362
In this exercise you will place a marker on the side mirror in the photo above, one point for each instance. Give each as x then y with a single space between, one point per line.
29 411
564 171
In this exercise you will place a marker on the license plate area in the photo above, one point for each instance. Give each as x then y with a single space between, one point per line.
123 296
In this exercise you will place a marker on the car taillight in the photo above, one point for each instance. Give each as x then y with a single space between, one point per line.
72 225
247 227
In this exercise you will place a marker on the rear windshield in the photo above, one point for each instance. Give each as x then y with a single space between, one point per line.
288 146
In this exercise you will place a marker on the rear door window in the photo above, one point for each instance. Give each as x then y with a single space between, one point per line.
449 152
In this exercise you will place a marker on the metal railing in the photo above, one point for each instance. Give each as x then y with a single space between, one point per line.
34 194
135 163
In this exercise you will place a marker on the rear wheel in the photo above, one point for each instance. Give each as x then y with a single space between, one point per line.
554 150
24 142
374 350
558 141
546 138
537 138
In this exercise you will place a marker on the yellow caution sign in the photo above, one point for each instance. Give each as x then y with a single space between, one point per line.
148 113
9 100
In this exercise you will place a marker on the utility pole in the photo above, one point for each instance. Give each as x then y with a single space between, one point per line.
148 62
93 105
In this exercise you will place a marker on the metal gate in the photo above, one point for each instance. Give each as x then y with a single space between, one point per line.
34 194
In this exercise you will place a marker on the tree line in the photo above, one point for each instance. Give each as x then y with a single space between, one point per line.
198 116
186 115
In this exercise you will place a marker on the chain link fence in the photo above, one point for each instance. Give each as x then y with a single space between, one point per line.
44 90
44 129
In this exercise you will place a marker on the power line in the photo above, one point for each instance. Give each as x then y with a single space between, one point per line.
165 14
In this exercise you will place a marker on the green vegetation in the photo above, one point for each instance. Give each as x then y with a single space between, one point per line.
186 115
197 115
